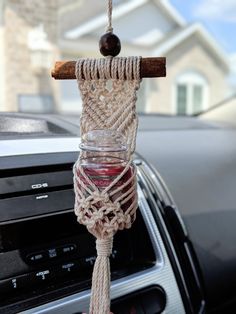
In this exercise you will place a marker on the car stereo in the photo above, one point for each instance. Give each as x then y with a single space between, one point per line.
44 253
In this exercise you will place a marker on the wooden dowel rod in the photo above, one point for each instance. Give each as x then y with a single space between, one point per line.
150 67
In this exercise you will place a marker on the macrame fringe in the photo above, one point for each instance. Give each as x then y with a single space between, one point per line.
100 294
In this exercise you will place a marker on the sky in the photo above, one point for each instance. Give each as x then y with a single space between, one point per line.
218 16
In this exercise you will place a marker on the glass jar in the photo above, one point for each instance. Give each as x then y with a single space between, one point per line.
104 158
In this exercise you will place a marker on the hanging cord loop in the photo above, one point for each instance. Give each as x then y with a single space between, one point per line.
109 43
109 14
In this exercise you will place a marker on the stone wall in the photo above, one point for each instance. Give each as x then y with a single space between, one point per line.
21 78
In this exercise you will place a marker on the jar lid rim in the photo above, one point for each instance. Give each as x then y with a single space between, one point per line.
83 146
103 141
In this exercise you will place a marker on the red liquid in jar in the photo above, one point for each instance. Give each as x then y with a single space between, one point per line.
103 175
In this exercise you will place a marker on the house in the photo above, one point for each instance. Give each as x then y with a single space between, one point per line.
224 111
196 66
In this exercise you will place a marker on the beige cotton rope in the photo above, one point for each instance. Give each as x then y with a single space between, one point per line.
108 89
109 14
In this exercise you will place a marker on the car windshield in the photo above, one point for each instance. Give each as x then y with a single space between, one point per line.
196 37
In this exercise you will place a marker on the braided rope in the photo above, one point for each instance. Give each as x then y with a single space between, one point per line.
109 14
108 88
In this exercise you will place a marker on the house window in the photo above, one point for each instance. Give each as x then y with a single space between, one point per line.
141 100
70 98
181 99
38 103
197 98
191 93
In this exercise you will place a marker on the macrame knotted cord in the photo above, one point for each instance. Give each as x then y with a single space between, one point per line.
108 88
109 14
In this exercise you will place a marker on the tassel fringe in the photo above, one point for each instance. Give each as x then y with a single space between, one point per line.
100 294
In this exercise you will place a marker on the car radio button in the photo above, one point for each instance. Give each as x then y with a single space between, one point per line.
42 275
88 261
70 267
52 253
37 257
8 286
67 249
67 268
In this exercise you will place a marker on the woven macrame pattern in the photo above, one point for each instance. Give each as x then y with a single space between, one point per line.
108 88
99 211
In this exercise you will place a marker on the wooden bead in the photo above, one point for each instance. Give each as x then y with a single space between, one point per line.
109 45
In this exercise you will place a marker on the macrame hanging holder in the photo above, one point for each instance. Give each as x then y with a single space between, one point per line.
106 107
108 88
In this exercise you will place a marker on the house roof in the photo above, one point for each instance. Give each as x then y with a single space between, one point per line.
120 10
177 37
72 13
151 40
171 11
